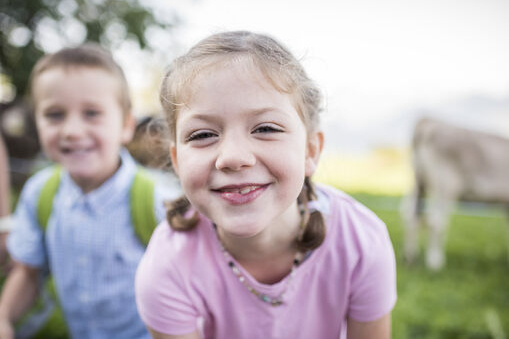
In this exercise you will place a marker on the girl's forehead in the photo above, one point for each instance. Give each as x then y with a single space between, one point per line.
231 85
242 67
232 72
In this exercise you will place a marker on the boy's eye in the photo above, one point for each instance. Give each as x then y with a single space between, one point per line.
200 135
54 115
91 113
267 129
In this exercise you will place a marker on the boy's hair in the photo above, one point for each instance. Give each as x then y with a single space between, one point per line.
281 69
87 55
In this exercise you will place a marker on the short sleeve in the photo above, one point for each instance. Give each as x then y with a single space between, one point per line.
161 289
373 292
26 240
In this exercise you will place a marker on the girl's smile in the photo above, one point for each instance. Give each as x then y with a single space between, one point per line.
241 194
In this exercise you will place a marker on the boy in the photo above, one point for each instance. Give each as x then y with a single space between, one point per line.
83 117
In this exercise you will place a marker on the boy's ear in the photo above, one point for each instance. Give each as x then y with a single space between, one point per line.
173 155
314 149
128 128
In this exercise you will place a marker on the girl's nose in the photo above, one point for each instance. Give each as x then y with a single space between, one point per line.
234 154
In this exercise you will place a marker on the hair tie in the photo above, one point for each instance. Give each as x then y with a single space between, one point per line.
313 206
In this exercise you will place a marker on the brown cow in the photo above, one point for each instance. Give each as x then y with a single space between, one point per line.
451 164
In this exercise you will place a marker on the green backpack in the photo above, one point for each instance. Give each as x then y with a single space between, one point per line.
141 199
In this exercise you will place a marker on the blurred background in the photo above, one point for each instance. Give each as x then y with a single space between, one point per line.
382 65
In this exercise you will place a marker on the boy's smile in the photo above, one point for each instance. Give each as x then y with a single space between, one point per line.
80 122
241 152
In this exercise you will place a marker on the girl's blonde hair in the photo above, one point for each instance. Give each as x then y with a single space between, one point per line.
281 69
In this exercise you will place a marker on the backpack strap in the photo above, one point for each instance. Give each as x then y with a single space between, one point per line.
45 203
141 200
142 206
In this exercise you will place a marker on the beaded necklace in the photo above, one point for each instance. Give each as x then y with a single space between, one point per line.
273 301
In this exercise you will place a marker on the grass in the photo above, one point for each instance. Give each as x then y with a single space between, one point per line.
469 299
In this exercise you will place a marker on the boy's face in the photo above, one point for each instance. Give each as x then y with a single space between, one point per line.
80 122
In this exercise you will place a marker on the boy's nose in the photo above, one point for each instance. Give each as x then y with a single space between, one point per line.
234 154
72 127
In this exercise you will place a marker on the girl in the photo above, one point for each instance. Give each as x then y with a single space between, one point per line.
254 249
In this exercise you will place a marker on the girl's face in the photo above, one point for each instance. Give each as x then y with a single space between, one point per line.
242 151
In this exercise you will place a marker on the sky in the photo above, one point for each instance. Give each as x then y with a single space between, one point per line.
376 61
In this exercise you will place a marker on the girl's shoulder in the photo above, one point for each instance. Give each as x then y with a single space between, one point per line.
356 237
348 217
176 260
173 249
333 201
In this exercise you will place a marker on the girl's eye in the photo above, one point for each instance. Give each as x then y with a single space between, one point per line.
267 129
200 135
54 115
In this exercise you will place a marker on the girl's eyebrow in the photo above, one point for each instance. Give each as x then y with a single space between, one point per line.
210 117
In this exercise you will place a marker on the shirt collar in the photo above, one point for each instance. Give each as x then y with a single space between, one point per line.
98 200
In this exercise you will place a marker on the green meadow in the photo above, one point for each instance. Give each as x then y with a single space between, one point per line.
469 298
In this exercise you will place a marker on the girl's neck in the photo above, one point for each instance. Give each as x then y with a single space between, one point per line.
275 241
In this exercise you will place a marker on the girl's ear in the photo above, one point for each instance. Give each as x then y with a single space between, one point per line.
173 155
314 149
128 128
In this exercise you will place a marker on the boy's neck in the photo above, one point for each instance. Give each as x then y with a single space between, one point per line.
88 186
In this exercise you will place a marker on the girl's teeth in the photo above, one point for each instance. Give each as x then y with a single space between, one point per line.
247 189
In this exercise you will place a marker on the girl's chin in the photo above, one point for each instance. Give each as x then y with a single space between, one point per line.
241 231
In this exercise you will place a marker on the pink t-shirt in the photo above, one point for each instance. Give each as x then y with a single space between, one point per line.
184 283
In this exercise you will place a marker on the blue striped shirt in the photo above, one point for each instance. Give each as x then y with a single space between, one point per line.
90 249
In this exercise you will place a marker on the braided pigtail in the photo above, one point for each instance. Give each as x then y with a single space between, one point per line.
175 214
312 223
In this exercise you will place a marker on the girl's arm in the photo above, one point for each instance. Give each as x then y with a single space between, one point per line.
18 294
378 329
158 335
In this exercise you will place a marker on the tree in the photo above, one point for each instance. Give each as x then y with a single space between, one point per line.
30 28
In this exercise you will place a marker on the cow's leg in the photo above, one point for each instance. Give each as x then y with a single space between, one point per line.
409 210
437 220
